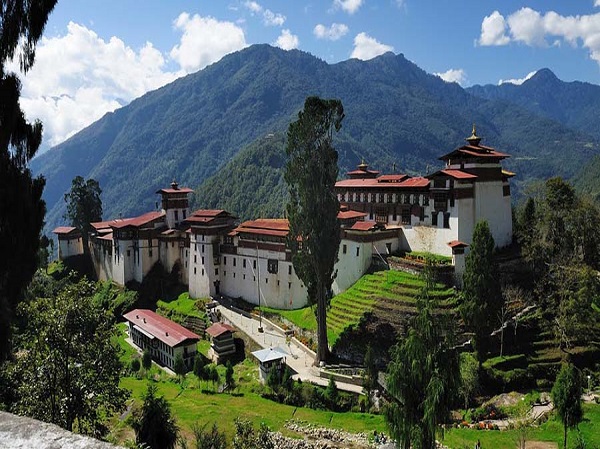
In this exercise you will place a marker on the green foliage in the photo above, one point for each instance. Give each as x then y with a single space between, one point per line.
469 377
311 173
135 365
566 395
115 299
84 206
209 439
247 438
229 381
332 394
70 368
179 366
146 359
199 366
423 377
481 294
370 373
154 423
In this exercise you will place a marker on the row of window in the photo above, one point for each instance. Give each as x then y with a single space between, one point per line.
401 198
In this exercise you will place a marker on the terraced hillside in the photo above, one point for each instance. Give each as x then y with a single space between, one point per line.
379 303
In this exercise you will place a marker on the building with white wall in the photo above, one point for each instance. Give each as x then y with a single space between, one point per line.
442 207
379 215
70 242
162 338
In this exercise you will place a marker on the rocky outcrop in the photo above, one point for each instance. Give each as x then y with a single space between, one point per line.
18 432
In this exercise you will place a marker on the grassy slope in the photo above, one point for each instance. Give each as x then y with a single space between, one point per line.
395 288
196 403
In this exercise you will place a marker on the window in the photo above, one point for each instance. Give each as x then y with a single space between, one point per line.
243 276
406 216
216 271
224 260
202 245
150 252
184 214
344 248
224 273
451 199
202 260
447 220
195 270
176 215
266 280
434 218
357 251
290 270
289 285
272 266
234 274
254 264
202 271
234 261
172 244
195 259
128 253
244 263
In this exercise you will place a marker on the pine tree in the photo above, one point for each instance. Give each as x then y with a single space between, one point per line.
84 206
311 173
566 395
154 424
481 295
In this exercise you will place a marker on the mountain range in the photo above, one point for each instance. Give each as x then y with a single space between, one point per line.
221 131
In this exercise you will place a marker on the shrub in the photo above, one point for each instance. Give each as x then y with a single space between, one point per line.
135 365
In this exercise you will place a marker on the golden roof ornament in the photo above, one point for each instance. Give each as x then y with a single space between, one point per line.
363 165
474 139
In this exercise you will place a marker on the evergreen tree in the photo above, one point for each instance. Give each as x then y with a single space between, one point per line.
154 424
84 206
311 173
146 360
179 367
481 295
229 382
370 374
199 366
332 394
423 377
566 395
22 209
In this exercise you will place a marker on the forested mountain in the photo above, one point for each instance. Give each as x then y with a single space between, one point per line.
574 104
190 129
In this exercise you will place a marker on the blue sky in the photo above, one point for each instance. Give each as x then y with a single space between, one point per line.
98 55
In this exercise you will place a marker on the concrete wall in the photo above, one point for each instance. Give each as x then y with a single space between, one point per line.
201 272
350 265
69 247
491 205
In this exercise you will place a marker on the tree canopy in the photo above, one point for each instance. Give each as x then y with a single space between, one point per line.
566 395
423 377
481 293
70 368
154 424
22 209
311 173
84 206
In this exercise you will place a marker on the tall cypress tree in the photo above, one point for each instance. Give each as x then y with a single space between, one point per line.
481 295
311 173
566 394
84 206
21 206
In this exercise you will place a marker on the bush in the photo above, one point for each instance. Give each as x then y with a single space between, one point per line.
135 365
146 360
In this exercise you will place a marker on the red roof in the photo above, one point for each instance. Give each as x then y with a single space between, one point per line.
365 226
350 214
99 225
278 227
178 190
137 221
374 183
108 236
475 151
457 244
391 178
165 330
457 174
362 172
63 230
218 329
207 212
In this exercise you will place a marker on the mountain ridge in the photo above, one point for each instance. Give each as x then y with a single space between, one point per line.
396 113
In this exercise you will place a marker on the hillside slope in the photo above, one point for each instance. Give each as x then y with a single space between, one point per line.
395 114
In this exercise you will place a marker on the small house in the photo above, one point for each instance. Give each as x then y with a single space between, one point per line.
222 343
269 359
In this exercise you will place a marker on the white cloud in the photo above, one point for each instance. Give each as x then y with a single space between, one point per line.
350 6
333 33
454 76
493 30
366 47
533 28
273 19
253 6
518 81
287 40
270 18
205 40
79 77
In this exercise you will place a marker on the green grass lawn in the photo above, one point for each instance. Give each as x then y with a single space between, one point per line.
549 431
196 403
184 305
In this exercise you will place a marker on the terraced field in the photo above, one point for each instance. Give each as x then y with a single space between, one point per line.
390 294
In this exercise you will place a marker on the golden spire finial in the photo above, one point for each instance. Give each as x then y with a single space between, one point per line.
474 139
363 165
